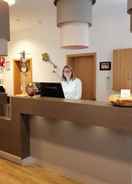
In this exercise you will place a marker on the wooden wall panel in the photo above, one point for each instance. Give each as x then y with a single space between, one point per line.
122 69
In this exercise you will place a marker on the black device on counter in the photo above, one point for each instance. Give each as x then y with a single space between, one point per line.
50 89
2 89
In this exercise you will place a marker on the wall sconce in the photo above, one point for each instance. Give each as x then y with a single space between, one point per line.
46 58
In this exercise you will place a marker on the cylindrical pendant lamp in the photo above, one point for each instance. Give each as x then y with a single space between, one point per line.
4 27
74 35
129 11
74 18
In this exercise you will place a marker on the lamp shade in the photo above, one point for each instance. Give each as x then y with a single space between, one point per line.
129 11
74 18
4 28
3 47
74 35
129 6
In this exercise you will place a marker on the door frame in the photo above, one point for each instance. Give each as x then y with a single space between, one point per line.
92 54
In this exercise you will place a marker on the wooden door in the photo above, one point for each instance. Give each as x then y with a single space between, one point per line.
122 69
18 76
84 67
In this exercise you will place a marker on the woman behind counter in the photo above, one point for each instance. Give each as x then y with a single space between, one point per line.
72 86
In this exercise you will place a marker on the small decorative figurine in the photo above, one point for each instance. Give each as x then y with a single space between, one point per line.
31 89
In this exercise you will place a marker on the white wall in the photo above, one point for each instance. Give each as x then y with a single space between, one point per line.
110 30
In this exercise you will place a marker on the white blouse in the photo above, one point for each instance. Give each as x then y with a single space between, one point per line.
72 89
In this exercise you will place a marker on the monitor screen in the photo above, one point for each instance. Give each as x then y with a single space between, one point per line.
50 89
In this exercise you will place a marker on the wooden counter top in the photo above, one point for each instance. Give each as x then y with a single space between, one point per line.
61 100
15 133
83 111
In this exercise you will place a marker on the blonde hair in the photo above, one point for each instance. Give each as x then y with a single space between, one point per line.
72 73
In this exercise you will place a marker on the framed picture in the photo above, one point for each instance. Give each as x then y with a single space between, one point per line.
105 66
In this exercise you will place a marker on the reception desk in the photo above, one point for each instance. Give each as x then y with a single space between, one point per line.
15 130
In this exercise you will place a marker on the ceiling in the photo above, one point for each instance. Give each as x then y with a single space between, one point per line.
28 13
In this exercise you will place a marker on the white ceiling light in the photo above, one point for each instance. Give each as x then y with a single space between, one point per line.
74 19
10 2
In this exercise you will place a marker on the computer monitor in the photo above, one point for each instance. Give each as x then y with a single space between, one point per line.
50 89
